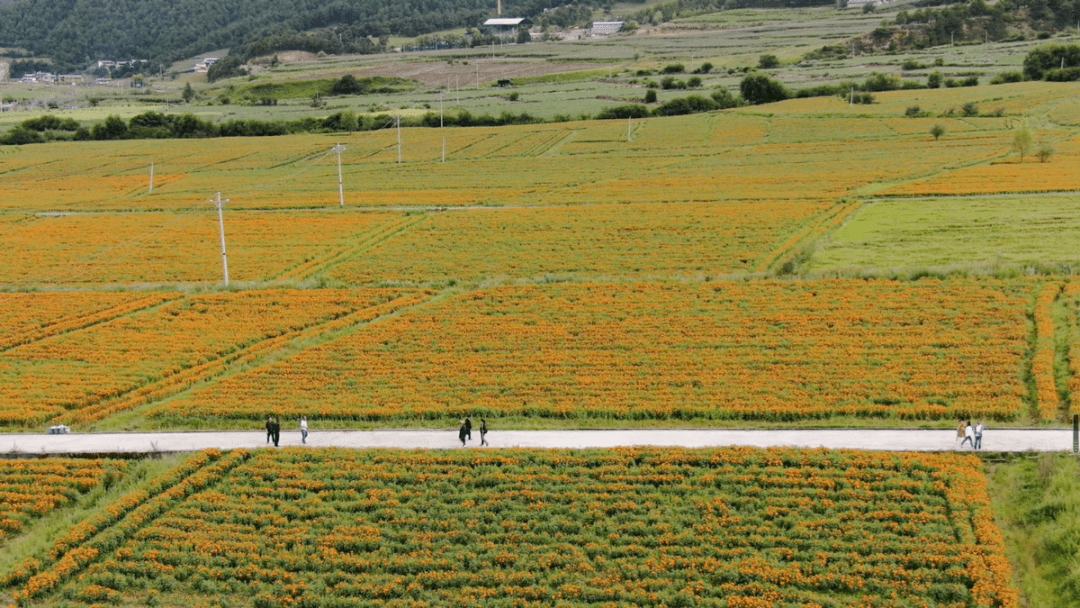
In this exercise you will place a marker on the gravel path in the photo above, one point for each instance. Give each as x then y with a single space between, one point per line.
1006 440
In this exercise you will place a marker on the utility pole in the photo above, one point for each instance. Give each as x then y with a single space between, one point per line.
221 224
397 119
340 188
629 124
151 177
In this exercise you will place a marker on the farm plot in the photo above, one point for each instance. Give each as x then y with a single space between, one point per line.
719 351
166 248
723 528
131 359
625 241
31 489
1008 176
954 233
733 155
26 317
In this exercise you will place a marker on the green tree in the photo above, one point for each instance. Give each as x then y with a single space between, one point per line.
650 96
937 131
188 94
114 127
1022 142
758 89
768 62
1044 153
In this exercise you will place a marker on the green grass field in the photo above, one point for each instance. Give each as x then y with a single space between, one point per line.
971 234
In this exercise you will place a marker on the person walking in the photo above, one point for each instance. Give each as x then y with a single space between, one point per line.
969 435
303 429
960 433
462 433
468 427
275 428
269 428
979 428
483 432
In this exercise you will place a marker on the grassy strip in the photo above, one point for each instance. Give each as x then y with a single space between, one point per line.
1037 504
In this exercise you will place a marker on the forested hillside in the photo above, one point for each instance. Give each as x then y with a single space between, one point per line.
75 32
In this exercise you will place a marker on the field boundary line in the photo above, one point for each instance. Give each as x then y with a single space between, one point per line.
368 240
66 326
825 221
1070 360
174 383
1048 403
157 410
569 135
545 143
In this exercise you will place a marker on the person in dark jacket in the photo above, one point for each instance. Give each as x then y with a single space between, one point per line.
483 432
269 428
468 427
276 428
462 433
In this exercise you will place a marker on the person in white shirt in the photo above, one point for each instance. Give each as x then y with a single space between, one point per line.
303 429
979 428
969 435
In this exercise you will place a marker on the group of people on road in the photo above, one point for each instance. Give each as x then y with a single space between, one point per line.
273 430
465 432
972 435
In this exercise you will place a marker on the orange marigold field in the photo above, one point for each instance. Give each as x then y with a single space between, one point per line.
164 248
774 351
30 489
69 372
530 529
637 241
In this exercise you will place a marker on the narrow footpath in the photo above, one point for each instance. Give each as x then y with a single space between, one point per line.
1005 440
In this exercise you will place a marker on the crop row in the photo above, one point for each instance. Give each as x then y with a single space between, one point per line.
718 350
732 527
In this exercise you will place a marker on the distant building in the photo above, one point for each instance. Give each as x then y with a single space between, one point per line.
204 65
39 77
606 28
503 27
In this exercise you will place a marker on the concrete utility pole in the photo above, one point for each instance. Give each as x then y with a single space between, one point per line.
221 224
340 188
629 126
151 177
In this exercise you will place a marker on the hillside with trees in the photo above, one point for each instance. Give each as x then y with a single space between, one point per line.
75 32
